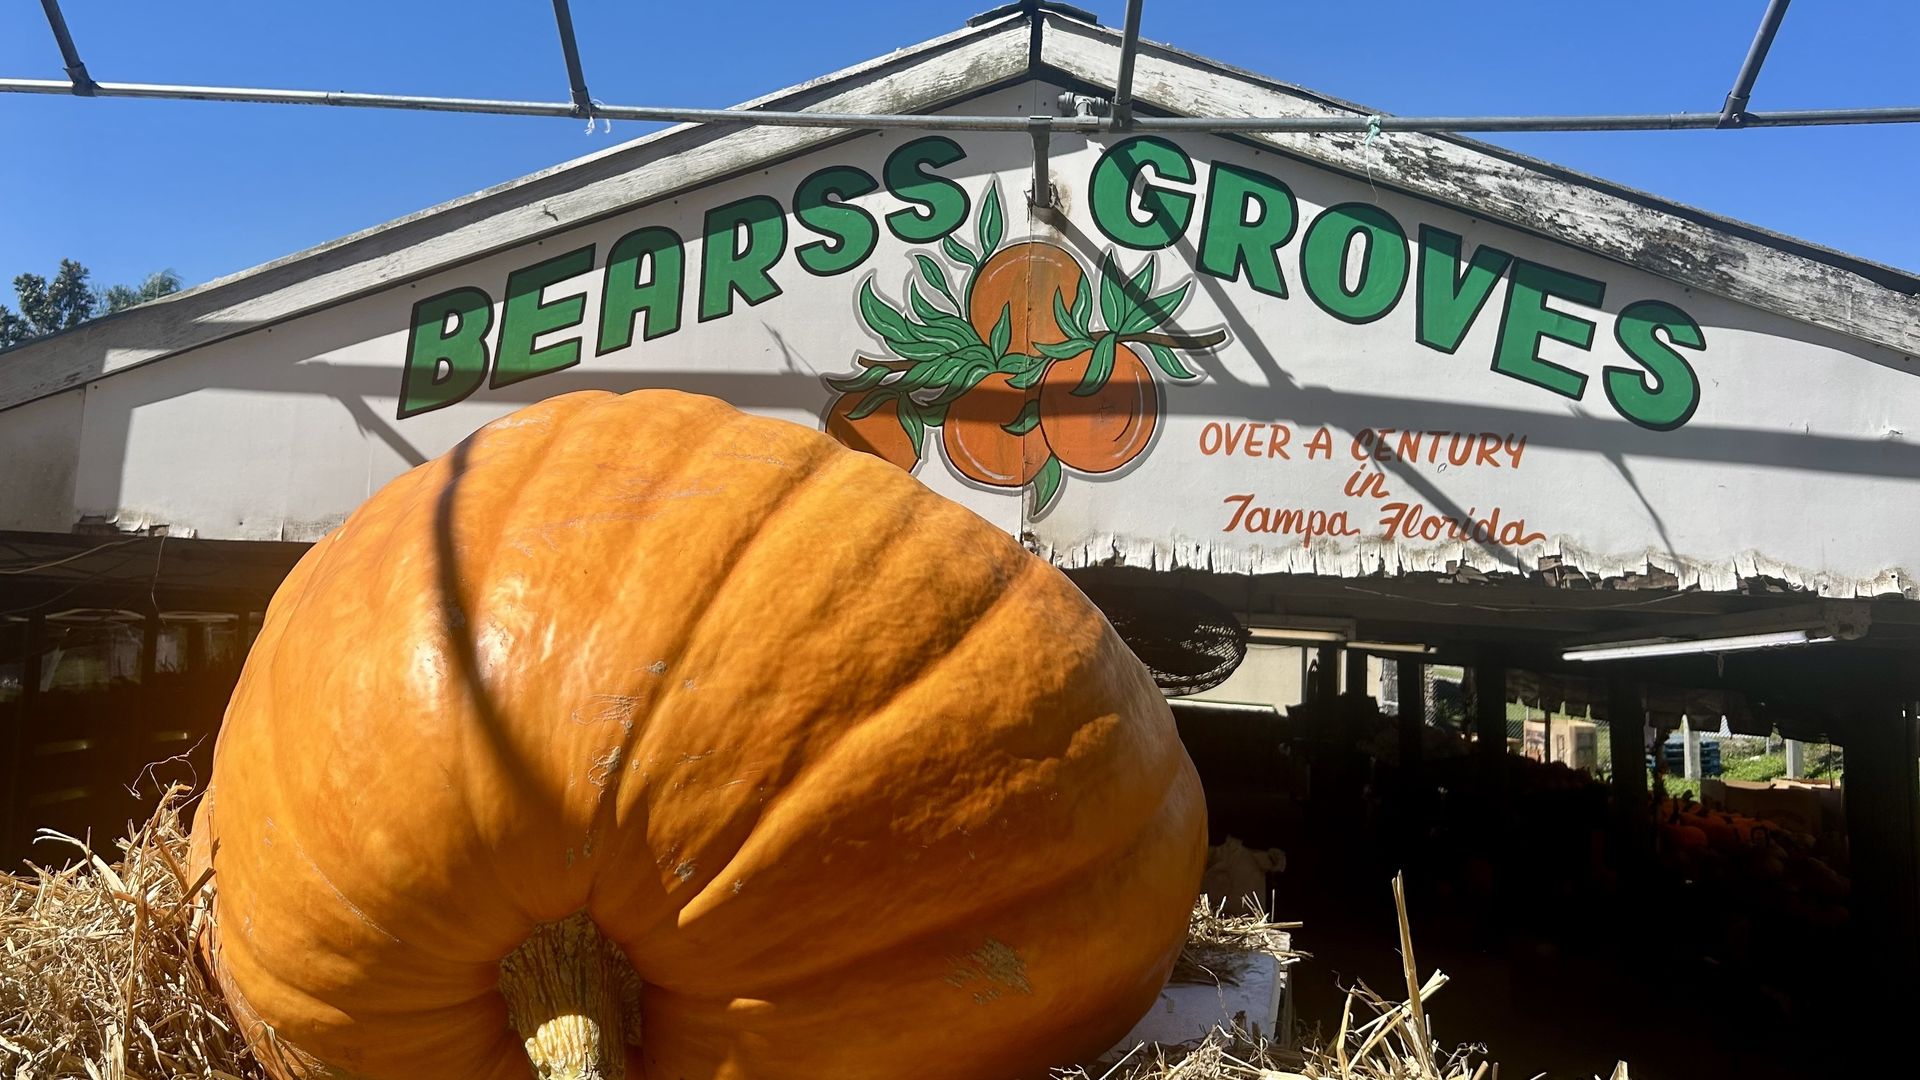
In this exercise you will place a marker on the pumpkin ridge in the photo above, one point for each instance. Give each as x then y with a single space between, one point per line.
1118 832
821 759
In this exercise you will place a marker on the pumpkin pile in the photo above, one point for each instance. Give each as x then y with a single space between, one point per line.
1780 875
640 736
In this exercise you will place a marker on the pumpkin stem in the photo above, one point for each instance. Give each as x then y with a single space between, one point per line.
575 1000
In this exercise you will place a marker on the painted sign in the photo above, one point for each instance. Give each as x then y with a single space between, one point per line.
1212 356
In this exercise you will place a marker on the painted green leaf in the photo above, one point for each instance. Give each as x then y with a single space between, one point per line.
1142 283
989 226
938 326
1028 419
968 376
1002 334
1017 363
915 427
1083 310
1064 318
866 380
958 251
881 316
921 350
956 329
1046 484
1065 350
871 404
1031 378
1169 363
1112 302
936 276
934 372
1158 309
1100 368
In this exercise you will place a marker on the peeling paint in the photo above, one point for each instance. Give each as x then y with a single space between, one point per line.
1373 558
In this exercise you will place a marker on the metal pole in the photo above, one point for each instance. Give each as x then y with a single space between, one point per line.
576 77
1731 114
858 121
80 82
1123 84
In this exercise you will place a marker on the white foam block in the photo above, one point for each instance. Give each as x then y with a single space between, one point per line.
1188 1012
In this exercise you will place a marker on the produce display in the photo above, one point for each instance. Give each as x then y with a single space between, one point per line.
645 737
1779 874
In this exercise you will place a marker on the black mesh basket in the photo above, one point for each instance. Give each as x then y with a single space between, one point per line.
1188 640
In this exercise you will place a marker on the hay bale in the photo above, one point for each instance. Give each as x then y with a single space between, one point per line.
99 979
98 976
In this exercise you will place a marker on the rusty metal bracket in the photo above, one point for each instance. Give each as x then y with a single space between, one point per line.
1042 195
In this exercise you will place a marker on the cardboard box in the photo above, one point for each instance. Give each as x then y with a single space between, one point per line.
1576 743
1811 807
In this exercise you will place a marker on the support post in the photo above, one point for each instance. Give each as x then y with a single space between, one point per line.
1410 675
1632 816
1796 759
149 648
1490 710
1690 760
1356 673
1883 835
1326 674
17 742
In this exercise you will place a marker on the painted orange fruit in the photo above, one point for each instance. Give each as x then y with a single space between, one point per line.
878 433
979 445
1023 278
1106 429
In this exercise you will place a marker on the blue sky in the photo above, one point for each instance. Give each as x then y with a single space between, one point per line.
127 187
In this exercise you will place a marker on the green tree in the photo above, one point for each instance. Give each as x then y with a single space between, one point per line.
48 308
68 300
121 297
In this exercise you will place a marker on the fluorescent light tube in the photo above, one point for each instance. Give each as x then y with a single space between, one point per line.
1392 647
1274 635
1690 648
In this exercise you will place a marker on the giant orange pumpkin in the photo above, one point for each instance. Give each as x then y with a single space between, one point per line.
654 739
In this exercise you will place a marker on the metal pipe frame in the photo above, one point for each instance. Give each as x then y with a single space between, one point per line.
1733 113
81 83
1123 82
576 76
934 122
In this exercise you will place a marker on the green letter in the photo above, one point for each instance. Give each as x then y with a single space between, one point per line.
1449 299
623 297
1229 241
909 181
1111 193
448 329
1384 261
1526 320
526 317
725 269
1670 403
850 230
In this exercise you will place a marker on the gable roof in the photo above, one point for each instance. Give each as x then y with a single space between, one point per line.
1863 300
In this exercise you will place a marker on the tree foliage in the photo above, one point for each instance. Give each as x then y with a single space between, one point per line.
121 297
48 307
